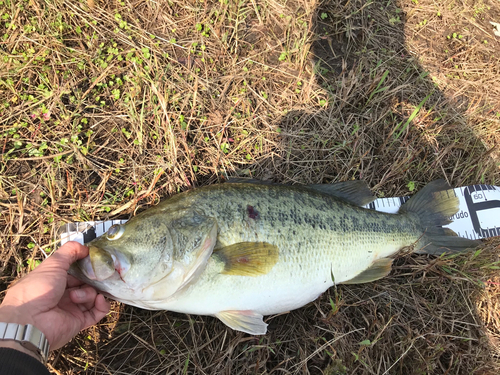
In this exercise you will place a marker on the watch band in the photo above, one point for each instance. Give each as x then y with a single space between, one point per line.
28 336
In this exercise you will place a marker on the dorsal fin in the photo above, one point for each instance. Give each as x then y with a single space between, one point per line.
356 192
246 180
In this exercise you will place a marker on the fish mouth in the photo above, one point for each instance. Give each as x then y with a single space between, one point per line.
101 264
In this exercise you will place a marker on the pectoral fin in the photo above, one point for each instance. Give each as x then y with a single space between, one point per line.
248 258
379 269
246 321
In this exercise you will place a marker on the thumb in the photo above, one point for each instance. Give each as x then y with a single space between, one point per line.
66 255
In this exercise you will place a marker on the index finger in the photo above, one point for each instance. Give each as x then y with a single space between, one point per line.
66 255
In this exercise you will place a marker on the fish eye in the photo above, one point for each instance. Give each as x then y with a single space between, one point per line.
115 232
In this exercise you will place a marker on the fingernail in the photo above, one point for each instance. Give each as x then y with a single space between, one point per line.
79 293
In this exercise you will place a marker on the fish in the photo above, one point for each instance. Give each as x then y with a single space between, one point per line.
241 250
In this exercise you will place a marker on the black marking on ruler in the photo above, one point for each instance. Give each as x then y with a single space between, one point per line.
479 206
483 188
371 206
89 235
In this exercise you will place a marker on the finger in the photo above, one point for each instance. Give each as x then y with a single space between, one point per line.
102 304
99 311
85 296
67 302
73 282
66 255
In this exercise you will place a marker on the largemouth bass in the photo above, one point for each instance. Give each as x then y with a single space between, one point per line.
239 251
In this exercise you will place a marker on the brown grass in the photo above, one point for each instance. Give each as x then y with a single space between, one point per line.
296 92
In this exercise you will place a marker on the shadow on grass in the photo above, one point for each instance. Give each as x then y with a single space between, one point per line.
386 120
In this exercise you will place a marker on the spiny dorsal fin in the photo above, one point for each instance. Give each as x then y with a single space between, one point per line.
246 180
246 321
379 269
356 192
248 258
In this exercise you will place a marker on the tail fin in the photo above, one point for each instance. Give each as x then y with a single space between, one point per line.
434 205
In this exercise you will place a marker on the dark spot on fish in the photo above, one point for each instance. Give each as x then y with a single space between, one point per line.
252 212
243 260
355 222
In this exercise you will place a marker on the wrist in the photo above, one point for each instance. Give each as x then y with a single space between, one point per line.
13 314
17 346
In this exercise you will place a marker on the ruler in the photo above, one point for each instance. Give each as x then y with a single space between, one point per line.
478 215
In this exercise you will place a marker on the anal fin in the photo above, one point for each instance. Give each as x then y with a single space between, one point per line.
246 321
248 258
378 269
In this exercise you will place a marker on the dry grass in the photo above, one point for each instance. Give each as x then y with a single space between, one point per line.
107 107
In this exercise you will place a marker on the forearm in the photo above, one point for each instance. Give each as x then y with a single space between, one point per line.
17 346
15 361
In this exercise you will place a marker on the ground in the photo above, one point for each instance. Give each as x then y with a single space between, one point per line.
107 107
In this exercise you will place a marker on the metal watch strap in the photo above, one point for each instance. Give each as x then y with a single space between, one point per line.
28 336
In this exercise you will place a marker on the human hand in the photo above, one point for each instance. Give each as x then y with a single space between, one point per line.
56 303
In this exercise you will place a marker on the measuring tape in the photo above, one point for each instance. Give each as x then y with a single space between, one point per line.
478 215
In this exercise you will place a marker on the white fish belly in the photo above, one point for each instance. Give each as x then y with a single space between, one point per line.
298 278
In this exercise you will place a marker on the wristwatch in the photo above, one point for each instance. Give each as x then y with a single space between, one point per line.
28 336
